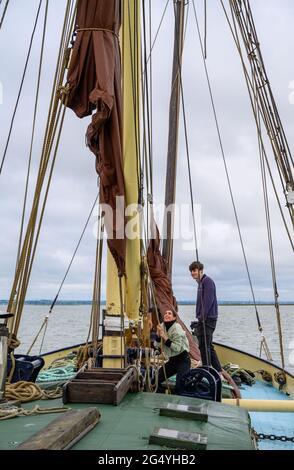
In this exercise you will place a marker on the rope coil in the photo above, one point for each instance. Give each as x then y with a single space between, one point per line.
28 391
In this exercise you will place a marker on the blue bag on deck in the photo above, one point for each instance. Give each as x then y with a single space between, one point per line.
26 367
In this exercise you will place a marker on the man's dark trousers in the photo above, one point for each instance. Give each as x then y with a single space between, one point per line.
209 356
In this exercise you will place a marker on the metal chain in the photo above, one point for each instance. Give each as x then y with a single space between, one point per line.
273 437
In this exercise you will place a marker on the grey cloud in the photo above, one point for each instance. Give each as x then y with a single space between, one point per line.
75 184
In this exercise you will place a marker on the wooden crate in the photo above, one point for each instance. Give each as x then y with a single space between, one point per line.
99 386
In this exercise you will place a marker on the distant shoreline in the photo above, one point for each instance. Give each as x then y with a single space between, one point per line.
233 303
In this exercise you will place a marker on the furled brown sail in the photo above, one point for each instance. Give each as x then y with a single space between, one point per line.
163 288
94 83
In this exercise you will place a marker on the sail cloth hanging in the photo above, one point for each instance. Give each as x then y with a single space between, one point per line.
94 81
162 286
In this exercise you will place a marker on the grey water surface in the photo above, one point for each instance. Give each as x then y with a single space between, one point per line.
237 326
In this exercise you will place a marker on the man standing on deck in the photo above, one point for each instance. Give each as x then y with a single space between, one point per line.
206 314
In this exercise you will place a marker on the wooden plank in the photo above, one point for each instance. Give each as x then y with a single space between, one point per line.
178 439
197 413
98 380
100 375
93 382
64 431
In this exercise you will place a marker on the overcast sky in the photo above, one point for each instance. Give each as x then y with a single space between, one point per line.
74 184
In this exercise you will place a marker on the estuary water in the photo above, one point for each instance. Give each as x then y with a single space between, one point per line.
237 326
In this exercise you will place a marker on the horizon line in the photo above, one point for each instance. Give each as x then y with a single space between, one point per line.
183 302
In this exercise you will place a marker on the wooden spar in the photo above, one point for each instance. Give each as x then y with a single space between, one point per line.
279 406
174 111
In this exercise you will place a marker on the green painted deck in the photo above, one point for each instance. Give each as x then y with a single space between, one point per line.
128 426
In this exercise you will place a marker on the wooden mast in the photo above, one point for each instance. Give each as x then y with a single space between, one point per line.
124 298
172 153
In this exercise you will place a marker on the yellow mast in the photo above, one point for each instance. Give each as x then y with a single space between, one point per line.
131 60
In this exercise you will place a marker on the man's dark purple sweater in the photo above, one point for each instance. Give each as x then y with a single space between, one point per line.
206 299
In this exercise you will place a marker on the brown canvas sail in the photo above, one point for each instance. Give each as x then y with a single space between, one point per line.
167 301
163 288
94 83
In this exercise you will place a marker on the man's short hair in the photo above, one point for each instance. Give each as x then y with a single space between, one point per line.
196 265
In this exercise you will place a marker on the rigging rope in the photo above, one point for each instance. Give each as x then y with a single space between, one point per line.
179 65
267 213
267 104
173 133
268 223
148 96
53 133
153 297
263 340
150 201
263 108
20 88
147 157
33 132
250 88
145 93
122 325
227 172
188 157
158 29
151 89
4 13
205 29
74 254
191 189
44 324
95 312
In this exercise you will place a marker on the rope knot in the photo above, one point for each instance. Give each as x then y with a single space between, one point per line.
63 91
13 342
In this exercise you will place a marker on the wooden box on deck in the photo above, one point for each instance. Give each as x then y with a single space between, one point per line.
99 386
